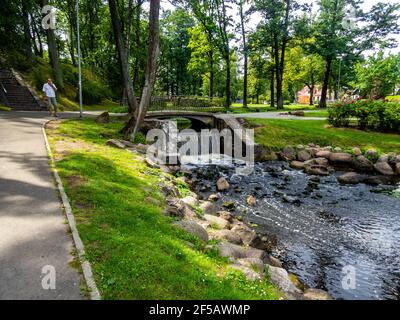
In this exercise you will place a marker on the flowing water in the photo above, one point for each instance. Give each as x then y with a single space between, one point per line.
341 238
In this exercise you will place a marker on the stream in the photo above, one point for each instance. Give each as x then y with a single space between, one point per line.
323 229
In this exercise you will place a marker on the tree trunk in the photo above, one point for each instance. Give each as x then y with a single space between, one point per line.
27 32
53 54
211 56
228 80
244 55
325 84
134 123
123 58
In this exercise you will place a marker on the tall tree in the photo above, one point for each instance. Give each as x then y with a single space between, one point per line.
53 53
134 123
123 56
337 34
243 21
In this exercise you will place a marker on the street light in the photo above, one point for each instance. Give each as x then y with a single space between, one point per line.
79 60
341 57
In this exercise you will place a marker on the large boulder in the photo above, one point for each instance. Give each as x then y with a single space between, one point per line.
323 154
191 201
218 222
193 228
234 252
280 278
227 235
341 158
316 294
361 163
253 263
303 155
351 178
384 168
249 272
288 153
317 170
397 168
208 207
297 165
222 184
177 208
376 180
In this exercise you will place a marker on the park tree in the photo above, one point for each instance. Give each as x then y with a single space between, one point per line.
342 29
134 123
378 76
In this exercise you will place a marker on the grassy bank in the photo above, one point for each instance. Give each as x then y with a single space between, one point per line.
134 251
276 134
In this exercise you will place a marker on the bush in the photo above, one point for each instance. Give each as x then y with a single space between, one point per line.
93 92
367 114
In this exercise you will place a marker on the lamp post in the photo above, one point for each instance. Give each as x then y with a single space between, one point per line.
79 60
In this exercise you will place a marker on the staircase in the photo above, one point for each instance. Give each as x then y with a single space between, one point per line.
15 94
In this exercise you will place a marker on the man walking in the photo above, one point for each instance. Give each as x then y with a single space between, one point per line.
50 90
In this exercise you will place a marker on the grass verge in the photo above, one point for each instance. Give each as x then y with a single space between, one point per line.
134 250
277 134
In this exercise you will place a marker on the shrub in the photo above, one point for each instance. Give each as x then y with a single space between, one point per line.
367 114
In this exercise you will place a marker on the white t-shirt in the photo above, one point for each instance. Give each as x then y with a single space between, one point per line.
50 92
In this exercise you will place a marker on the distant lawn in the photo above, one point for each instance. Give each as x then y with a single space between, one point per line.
71 105
238 108
279 133
317 114
134 250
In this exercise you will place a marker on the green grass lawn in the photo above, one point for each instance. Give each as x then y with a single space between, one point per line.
134 251
238 108
276 134
317 114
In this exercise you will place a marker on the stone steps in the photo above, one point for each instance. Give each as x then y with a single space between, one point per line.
17 96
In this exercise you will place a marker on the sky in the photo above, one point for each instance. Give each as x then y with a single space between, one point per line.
165 5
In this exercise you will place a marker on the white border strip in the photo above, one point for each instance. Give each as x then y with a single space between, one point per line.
87 269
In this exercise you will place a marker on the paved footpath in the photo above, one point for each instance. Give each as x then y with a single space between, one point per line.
33 229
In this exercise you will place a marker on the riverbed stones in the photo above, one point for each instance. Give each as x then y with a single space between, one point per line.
351 178
253 263
303 155
280 278
384 168
251 200
234 252
361 163
272 261
288 153
177 208
229 205
397 168
245 233
191 201
217 222
225 215
343 158
227 235
316 294
357 151
297 165
323 154
214 197
208 207
249 273
222 184
193 228
317 170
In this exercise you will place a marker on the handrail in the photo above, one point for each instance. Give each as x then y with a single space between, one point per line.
3 94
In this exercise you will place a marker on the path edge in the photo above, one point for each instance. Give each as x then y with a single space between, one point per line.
86 267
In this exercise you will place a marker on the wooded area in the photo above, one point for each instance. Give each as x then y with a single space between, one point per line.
261 51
